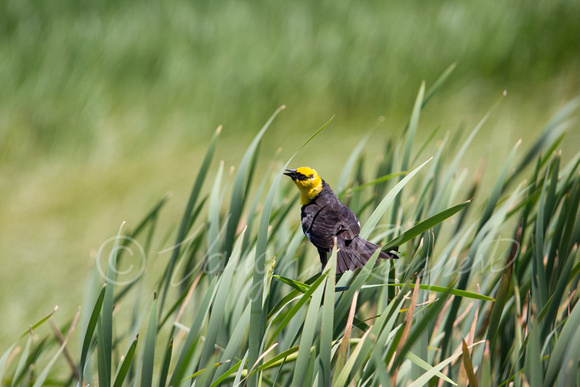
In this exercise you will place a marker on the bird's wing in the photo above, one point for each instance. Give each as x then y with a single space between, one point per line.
321 224
350 226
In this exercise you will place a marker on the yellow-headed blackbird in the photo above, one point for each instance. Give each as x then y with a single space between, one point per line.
325 217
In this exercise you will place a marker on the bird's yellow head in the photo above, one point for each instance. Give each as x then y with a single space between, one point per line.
307 181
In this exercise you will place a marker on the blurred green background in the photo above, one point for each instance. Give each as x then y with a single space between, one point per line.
107 105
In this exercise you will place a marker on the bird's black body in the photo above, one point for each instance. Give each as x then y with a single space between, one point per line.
325 218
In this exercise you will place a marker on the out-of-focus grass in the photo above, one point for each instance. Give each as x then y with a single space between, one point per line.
102 77
99 100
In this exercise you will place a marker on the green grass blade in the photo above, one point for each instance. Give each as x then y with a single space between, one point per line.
498 187
302 362
101 361
241 182
551 192
468 365
426 366
185 221
344 347
439 82
423 379
553 130
213 218
91 330
345 301
39 323
348 166
211 365
437 201
326 328
409 140
295 308
382 208
20 368
300 286
565 246
439 289
416 329
385 167
238 377
44 374
287 356
284 301
344 372
503 289
106 342
539 281
314 135
166 364
218 308
381 179
426 143
554 302
126 364
252 214
412 129
484 223
533 367
379 331
569 370
257 314
193 335
149 350
557 358
149 218
473 190
226 374
425 225
4 361
400 341
234 343
380 374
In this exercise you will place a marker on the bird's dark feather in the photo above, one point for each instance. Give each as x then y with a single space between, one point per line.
325 218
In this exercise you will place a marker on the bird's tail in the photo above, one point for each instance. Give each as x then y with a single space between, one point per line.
355 254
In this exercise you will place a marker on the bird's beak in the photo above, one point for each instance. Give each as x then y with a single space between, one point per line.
290 173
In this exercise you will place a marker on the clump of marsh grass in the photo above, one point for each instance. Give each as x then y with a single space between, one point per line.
239 302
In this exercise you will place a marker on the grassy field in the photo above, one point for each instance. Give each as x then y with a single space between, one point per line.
484 292
106 107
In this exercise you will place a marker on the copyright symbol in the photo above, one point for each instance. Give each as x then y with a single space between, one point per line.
129 268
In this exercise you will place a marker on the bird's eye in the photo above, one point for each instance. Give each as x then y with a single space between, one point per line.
311 176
